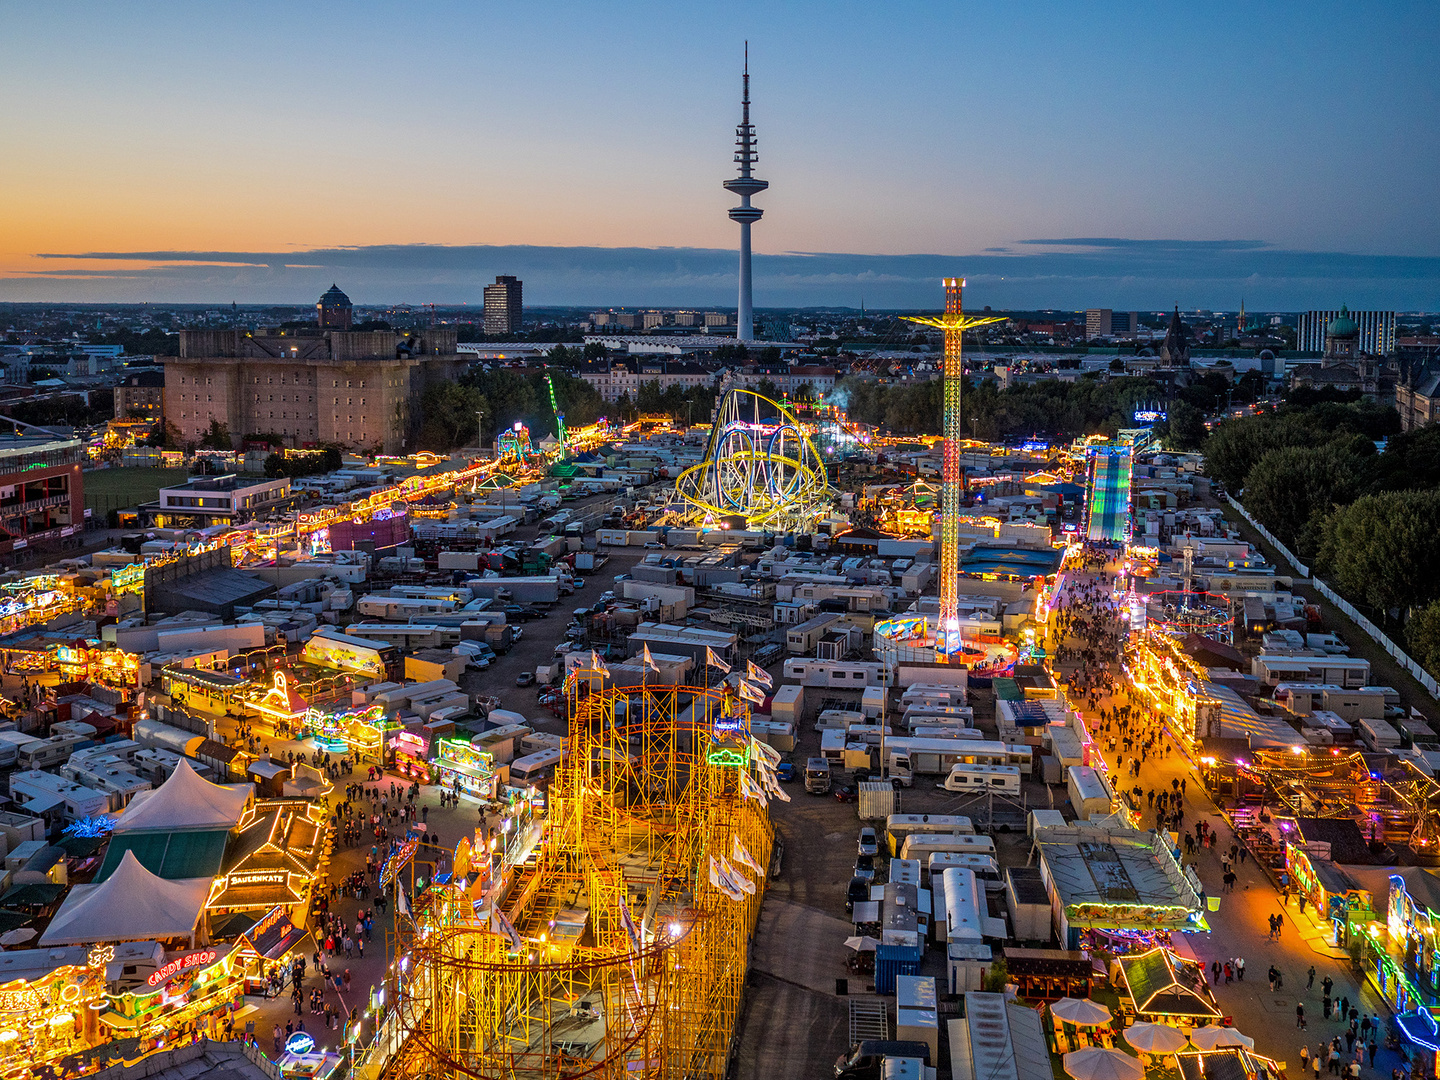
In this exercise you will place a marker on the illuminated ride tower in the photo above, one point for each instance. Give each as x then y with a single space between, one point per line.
745 186
954 322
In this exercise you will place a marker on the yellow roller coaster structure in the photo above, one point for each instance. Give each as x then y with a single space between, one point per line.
615 953
759 464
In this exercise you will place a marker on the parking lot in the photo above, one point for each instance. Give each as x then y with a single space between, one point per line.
795 1023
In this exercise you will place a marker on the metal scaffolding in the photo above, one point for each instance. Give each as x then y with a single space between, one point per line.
613 954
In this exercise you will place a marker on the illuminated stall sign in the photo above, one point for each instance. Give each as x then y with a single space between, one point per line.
200 958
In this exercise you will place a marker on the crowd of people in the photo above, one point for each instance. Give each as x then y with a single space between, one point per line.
1086 642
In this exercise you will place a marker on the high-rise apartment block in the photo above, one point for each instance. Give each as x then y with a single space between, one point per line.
1103 322
1377 331
503 306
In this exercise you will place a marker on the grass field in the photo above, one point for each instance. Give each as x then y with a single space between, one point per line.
116 489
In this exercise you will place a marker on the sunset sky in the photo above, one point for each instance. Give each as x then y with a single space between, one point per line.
244 152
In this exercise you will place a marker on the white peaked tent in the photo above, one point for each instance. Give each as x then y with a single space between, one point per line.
132 904
186 801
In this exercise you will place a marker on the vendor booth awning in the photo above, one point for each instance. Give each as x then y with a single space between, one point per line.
131 905
274 935
186 801
1163 984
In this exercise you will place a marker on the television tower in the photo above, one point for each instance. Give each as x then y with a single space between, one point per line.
954 322
745 186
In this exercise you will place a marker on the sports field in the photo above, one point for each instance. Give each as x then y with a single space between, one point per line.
117 489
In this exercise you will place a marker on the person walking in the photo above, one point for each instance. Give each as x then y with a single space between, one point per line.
1304 1057
1310 982
1300 1015
1334 1059
1240 968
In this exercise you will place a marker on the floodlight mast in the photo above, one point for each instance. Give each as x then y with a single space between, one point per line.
954 323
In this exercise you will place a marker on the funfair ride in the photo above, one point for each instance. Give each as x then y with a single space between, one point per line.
954 322
759 465
618 949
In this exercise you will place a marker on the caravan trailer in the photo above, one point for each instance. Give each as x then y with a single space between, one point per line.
899 826
923 845
1002 779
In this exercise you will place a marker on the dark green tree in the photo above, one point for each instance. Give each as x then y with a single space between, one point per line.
1422 635
1382 550
217 438
1289 489
1187 429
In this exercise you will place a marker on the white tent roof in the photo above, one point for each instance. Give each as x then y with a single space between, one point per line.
186 801
132 904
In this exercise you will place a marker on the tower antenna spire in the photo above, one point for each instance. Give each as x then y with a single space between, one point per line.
745 185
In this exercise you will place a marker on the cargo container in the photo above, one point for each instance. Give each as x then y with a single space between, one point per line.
873 702
788 705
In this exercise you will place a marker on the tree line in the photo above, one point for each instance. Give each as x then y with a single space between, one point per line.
1367 519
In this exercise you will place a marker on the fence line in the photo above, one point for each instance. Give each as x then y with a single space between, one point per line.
1300 567
1399 655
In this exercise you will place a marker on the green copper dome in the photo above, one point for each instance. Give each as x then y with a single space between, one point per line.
1342 325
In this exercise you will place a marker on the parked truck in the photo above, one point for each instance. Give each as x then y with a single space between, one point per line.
817 776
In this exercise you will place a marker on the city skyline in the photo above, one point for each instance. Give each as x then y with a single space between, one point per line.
1236 151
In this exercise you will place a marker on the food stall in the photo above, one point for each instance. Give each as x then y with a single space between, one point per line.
411 750
266 944
461 767
1163 987
195 991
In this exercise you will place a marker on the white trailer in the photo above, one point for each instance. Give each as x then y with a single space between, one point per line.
899 826
983 866
1089 794
923 845
911 757
1002 779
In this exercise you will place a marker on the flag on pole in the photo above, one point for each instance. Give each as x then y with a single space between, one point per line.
596 664
751 790
646 659
629 924
759 674
750 692
742 855
402 902
711 660
724 884
736 879
772 784
764 752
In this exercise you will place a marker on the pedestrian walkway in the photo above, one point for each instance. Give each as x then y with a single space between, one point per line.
1272 1015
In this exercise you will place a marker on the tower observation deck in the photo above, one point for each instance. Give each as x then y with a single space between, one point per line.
745 185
